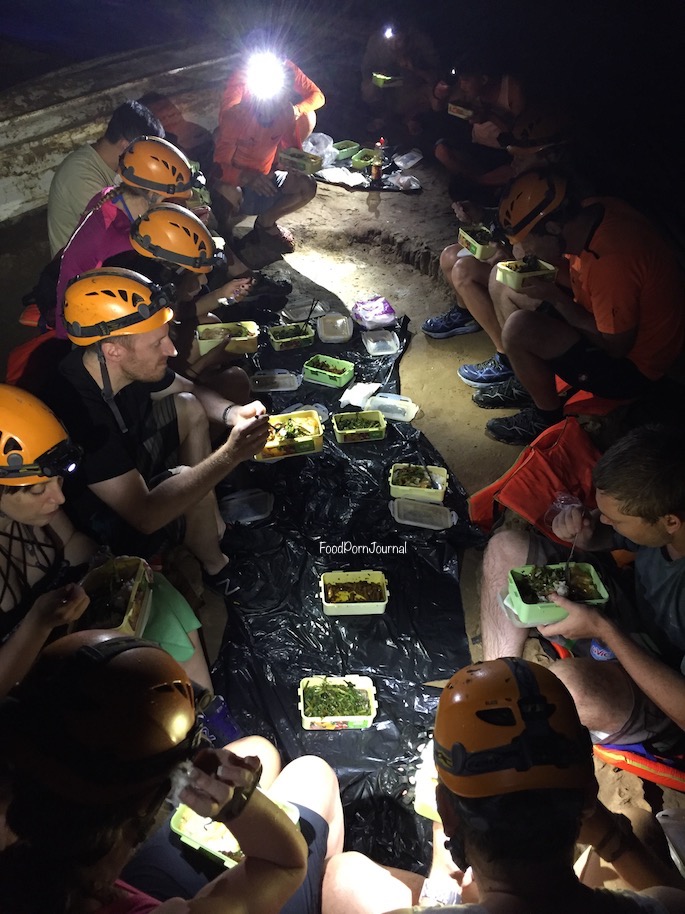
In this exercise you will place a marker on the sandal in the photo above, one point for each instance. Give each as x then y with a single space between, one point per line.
277 237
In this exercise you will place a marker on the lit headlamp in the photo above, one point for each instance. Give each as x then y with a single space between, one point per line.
265 75
60 460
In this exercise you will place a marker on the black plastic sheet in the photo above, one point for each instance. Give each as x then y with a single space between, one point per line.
331 511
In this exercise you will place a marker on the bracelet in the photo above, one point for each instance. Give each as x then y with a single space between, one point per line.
224 415
617 840
241 797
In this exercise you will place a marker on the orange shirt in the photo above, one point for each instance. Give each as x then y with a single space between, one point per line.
628 278
242 142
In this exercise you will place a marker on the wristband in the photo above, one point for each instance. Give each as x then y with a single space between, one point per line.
224 415
241 797
617 840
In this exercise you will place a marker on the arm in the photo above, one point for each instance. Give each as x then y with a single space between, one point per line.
592 536
148 510
51 610
275 852
311 97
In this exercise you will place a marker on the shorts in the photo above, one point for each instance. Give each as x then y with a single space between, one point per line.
646 722
170 620
255 204
159 443
165 867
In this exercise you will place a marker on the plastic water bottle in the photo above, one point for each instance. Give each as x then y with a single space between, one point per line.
599 651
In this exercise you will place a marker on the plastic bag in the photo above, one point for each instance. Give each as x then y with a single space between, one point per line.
321 144
374 312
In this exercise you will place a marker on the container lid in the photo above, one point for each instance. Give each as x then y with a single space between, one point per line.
422 514
297 313
381 342
246 506
319 408
276 379
334 327
393 406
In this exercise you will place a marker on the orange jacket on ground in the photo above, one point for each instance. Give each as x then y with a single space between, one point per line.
242 142
628 278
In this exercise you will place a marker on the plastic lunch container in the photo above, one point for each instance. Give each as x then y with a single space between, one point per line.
294 447
544 613
421 514
481 250
124 568
363 158
517 280
381 342
393 406
339 722
334 327
246 506
386 82
298 313
433 495
297 336
213 838
274 379
459 111
312 371
354 609
347 436
346 149
209 336
299 160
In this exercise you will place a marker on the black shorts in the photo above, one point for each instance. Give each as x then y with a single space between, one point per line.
590 368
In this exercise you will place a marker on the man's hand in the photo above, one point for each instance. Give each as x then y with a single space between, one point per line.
582 621
234 288
248 435
572 521
260 184
465 211
60 607
216 775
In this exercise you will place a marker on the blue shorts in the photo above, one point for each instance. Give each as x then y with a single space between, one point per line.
255 204
165 867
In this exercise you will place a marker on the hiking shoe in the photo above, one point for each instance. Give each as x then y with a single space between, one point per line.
454 322
230 579
483 374
503 395
522 428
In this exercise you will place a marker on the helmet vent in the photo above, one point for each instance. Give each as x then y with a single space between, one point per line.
12 445
498 717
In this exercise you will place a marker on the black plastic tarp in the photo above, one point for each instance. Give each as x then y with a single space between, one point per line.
331 512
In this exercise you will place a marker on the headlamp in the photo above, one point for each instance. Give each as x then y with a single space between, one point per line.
265 76
60 460
388 32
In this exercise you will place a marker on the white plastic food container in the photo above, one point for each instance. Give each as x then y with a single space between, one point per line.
339 721
381 342
246 506
434 495
393 406
276 379
422 514
334 327
354 609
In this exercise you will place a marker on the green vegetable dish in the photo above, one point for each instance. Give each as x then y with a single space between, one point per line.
357 424
543 581
321 365
335 700
529 264
289 332
416 476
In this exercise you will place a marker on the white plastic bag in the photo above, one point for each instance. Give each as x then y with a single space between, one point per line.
321 144
373 313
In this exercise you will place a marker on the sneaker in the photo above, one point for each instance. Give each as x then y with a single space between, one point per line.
503 395
483 374
522 428
455 322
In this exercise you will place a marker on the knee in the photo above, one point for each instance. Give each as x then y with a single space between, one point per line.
314 770
238 384
517 328
506 549
308 188
448 258
466 270
265 751
190 412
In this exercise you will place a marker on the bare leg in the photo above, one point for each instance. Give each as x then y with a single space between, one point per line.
506 550
297 191
601 692
470 280
448 259
196 666
353 884
531 340
506 300
311 782
304 125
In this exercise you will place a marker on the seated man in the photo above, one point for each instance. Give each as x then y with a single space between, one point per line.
640 490
148 466
88 169
95 738
617 329
516 789
257 117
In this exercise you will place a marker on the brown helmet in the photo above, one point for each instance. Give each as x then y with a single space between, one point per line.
535 130
528 199
34 445
116 716
112 302
509 725
152 163
172 233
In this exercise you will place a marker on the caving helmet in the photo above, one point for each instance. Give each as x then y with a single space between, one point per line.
535 130
174 234
34 445
154 164
111 302
116 714
508 725
528 199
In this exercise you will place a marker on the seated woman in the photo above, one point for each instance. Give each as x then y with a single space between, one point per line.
84 789
41 554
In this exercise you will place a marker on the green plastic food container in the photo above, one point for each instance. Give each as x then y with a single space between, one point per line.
468 238
346 149
348 435
338 722
290 336
299 160
328 371
545 613
516 279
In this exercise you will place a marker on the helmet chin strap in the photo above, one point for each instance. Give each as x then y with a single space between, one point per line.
107 392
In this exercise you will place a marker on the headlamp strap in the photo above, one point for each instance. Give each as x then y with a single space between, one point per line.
107 392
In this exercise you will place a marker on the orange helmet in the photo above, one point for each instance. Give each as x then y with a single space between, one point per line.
34 445
535 130
117 715
528 199
152 163
172 233
508 725
113 302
